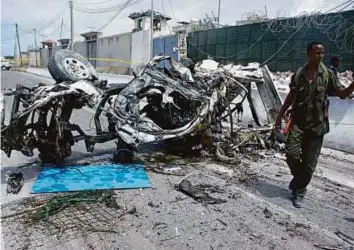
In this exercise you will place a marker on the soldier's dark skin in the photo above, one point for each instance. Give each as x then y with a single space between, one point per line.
302 147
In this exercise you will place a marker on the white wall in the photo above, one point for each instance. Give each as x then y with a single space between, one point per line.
140 53
34 56
115 47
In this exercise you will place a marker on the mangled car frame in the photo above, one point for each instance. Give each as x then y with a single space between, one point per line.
162 103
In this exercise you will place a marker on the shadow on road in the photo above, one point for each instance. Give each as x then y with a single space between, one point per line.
271 190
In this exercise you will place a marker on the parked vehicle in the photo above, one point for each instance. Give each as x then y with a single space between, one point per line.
6 64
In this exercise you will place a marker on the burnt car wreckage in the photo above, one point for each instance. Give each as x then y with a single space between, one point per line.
161 103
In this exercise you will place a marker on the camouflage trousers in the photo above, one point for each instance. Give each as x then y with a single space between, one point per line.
302 152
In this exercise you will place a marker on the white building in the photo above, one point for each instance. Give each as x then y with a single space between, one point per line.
142 22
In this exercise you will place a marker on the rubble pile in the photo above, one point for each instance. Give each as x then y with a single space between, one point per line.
282 80
248 144
208 68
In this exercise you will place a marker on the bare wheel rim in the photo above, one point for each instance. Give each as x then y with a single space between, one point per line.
76 68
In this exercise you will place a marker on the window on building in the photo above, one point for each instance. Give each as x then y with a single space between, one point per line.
157 24
140 24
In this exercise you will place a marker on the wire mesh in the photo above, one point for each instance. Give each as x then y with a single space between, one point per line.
21 231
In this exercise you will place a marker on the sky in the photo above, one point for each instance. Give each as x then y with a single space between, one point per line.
47 15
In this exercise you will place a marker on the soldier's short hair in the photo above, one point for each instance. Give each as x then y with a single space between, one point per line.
335 58
311 44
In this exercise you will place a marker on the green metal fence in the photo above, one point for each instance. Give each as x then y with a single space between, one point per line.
281 44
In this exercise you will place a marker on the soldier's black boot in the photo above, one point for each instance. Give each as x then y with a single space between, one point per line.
297 200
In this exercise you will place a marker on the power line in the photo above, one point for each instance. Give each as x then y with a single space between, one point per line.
8 39
55 19
24 33
349 1
94 3
101 10
126 4
173 12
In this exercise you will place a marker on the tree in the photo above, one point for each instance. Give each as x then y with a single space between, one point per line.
208 22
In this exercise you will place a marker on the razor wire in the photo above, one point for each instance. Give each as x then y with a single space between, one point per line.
334 26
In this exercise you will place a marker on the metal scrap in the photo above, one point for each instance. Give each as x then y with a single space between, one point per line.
198 193
14 182
177 106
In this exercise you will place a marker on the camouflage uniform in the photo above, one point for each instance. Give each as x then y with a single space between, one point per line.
305 138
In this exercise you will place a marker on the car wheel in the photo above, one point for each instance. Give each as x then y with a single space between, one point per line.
66 65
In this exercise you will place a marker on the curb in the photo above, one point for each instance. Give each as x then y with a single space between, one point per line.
20 69
43 76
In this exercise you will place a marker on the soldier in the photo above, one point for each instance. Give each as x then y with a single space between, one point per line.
308 96
334 64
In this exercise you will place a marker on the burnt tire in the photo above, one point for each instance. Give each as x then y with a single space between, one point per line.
66 65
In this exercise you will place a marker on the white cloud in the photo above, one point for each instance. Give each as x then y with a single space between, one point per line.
37 14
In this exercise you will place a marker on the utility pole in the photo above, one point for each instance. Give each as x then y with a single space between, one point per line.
35 46
152 30
219 14
72 23
15 49
19 46
61 27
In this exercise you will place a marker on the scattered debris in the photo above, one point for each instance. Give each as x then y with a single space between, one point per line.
222 222
178 198
14 182
59 203
268 214
328 247
159 225
349 219
170 238
168 170
198 193
150 204
209 65
345 237
185 177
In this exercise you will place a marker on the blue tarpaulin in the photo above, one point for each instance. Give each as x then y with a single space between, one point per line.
81 178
